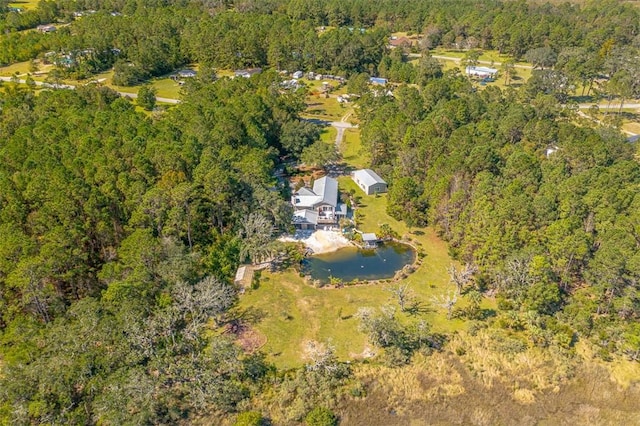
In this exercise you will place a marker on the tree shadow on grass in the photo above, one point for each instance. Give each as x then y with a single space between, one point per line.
250 315
417 308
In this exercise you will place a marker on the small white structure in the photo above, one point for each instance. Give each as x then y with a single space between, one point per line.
46 28
297 75
482 72
186 73
246 73
370 240
369 181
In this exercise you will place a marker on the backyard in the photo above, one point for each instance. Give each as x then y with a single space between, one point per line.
290 312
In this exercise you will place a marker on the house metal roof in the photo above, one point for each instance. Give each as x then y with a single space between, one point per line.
368 237
327 189
305 216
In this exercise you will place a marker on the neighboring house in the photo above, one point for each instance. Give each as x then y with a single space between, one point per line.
186 73
482 72
46 28
378 80
297 74
318 207
248 72
369 181
401 42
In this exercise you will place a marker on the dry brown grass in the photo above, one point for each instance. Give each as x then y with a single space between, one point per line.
425 379
525 373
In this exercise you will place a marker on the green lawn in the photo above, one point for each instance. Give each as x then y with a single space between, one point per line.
291 312
318 106
328 134
20 68
25 4
351 149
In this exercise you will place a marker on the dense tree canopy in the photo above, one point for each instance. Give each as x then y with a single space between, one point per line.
120 235
546 209
121 232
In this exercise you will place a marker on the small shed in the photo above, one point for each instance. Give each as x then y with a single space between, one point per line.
297 74
369 181
243 278
370 240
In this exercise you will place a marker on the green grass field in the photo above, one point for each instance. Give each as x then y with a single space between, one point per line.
328 134
25 4
351 149
19 68
291 312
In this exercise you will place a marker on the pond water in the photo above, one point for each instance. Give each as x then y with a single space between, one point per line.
351 263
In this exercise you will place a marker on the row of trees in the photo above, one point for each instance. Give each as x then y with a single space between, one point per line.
547 210
145 39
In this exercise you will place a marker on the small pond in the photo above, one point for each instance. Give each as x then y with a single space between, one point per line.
351 263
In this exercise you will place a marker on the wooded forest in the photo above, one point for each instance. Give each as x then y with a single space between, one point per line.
122 231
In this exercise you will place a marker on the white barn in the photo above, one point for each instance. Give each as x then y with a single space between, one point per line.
369 181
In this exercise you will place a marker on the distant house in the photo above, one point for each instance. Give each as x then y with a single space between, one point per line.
186 73
297 74
401 42
246 73
318 207
482 72
378 80
370 240
46 28
369 181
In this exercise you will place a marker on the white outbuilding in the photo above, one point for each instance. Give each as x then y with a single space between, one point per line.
369 181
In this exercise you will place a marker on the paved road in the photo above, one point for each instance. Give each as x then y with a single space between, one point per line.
453 58
71 87
631 105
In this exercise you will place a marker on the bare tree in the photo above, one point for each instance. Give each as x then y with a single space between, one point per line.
446 301
403 293
463 276
322 356
208 298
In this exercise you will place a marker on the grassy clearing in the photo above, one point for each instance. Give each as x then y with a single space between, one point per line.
319 106
351 149
486 55
328 134
25 4
20 68
291 312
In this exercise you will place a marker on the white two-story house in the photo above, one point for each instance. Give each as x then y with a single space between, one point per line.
318 207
